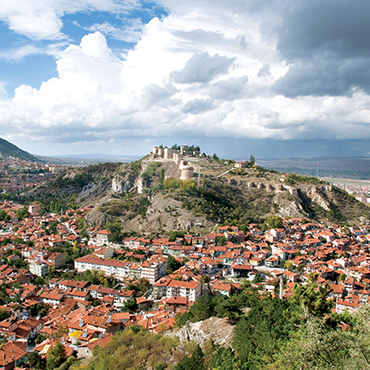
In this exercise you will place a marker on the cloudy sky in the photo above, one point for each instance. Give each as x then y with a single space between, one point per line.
272 77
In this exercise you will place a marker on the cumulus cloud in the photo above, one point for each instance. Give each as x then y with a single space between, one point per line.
254 69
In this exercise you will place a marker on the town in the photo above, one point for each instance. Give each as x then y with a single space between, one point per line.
65 281
19 174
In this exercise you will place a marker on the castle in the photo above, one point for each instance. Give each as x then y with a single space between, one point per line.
187 171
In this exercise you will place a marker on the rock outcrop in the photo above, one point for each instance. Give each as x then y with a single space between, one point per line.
123 183
220 331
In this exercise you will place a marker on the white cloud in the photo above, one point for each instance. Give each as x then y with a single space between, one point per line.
16 54
129 32
41 19
208 68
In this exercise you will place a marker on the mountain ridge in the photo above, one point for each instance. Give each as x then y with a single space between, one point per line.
9 150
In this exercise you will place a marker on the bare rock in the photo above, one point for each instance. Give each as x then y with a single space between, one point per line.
123 183
220 331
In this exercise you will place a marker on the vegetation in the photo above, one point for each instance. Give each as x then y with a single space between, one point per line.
56 356
136 348
10 150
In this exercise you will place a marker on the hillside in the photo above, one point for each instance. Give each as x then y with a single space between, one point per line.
9 150
148 195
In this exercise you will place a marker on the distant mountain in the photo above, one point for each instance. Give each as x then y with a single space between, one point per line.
344 167
9 150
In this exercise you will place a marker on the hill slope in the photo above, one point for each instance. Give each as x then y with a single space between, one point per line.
148 196
9 150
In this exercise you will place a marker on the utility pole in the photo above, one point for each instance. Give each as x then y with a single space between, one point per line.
318 166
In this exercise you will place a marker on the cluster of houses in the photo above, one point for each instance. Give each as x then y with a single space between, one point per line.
23 174
81 315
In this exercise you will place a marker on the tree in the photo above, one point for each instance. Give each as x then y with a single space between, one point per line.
35 361
288 265
4 314
195 362
313 296
56 356
172 264
257 278
202 309
262 333
22 213
252 160
161 176
130 305
274 222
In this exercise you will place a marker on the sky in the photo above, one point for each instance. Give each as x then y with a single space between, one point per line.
273 78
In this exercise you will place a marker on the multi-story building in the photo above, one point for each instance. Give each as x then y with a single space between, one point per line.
39 269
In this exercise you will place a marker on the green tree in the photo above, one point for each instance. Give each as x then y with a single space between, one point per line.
22 213
161 176
4 314
259 335
313 296
203 309
252 160
274 222
35 361
56 356
4 217
195 362
172 264
130 305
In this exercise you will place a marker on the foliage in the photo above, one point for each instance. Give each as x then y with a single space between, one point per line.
220 306
261 333
39 309
136 349
4 217
173 235
172 264
319 347
22 213
35 361
141 287
4 314
130 305
293 178
274 222
56 356
313 296
195 362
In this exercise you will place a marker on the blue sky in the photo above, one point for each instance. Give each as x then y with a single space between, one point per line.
274 78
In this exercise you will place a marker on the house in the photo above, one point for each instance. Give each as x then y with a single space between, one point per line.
272 261
177 303
53 299
103 236
241 270
222 288
12 354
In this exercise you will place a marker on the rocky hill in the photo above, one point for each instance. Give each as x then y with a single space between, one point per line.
9 150
148 195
